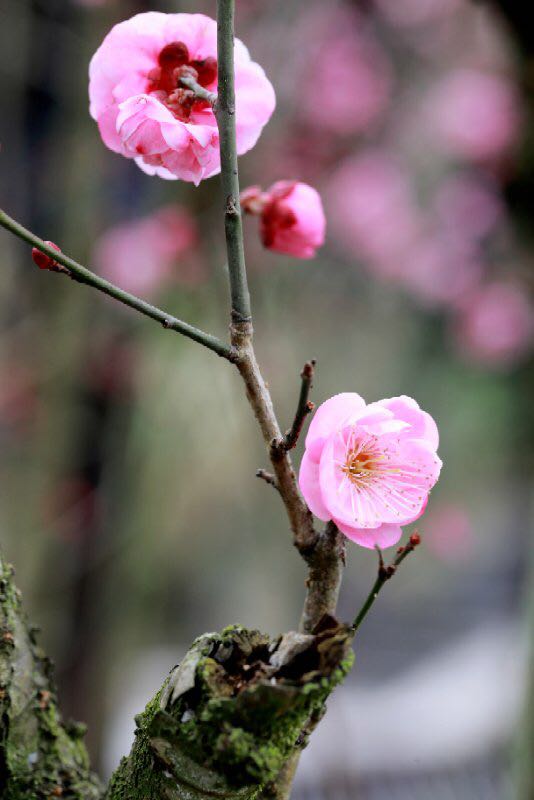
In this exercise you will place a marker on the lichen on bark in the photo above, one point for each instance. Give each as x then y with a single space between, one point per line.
41 757
237 709
232 714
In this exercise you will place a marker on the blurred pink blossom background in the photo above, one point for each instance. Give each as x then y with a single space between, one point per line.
144 256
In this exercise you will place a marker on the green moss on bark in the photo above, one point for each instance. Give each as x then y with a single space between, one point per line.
226 721
41 758
232 714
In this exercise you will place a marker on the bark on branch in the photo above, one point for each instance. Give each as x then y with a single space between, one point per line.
223 725
231 715
304 407
41 757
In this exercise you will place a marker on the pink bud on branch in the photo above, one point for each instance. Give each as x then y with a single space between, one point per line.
291 216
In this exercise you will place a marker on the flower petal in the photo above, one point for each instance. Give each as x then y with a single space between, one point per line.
422 425
383 536
330 416
309 486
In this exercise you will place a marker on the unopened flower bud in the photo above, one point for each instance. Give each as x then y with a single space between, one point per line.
42 260
291 217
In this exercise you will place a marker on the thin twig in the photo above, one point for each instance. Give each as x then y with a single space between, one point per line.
300 518
268 477
225 116
304 407
384 574
200 91
83 275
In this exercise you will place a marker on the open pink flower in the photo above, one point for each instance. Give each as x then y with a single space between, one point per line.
291 215
143 111
141 255
370 468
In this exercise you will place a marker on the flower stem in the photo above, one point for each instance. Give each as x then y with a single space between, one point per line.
83 275
384 574
200 91
304 407
225 115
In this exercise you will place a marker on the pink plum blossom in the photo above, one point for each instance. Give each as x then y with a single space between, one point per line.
291 216
143 111
496 325
474 114
140 255
370 468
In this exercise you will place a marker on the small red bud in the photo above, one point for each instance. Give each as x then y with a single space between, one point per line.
42 260
415 539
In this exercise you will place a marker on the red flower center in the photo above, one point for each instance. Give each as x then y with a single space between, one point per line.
165 80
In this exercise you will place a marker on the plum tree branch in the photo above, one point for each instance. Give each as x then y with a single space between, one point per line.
225 116
268 477
325 561
322 552
83 275
385 572
304 407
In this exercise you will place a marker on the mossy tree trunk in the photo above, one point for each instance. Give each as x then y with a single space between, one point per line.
41 757
227 722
